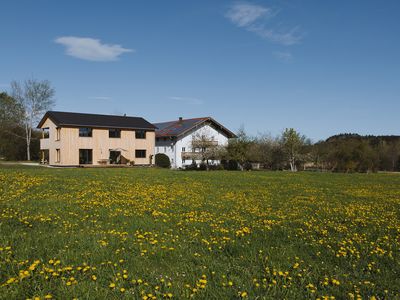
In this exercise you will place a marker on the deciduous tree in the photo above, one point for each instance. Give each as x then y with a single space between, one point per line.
292 143
35 97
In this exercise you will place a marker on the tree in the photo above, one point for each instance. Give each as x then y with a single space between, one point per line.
11 131
268 151
292 143
11 111
207 146
35 97
238 148
162 161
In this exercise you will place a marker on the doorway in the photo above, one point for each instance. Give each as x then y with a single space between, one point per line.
115 157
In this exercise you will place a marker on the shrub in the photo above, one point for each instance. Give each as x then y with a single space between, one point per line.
162 161
202 167
191 167
247 166
215 167
231 165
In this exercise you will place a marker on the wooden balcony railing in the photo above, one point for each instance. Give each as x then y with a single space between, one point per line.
204 144
192 155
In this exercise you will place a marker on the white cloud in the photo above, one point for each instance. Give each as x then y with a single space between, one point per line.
91 49
244 14
253 18
187 100
284 56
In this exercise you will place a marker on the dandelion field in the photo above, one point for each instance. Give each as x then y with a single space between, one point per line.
161 234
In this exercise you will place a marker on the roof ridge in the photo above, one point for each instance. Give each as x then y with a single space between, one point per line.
91 114
176 121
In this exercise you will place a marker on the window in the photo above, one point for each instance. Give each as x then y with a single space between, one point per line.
114 133
140 153
85 156
45 133
58 133
183 161
140 134
58 158
85 132
183 149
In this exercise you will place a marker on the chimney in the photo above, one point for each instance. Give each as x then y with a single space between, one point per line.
180 119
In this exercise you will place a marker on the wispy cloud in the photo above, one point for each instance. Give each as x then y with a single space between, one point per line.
100 98
254 18
283 56
245 14
187 100
91 49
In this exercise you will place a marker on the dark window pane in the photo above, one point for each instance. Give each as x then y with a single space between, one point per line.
114 133
140 153
85 132
46 133
140 134
85 156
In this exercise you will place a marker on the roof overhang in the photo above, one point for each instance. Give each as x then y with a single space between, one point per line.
228 133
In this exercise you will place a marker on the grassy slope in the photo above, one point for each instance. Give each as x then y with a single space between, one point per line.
215 235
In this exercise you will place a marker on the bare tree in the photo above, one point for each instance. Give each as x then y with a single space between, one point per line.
35 97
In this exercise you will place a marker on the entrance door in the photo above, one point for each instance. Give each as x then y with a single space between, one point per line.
85 156
115 157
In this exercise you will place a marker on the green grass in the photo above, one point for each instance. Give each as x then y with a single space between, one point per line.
205 235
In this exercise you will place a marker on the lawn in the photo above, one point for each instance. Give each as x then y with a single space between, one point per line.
160 234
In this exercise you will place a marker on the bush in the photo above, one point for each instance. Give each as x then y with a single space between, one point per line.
231 165
162 161
215 167
247 166
202 167
191 167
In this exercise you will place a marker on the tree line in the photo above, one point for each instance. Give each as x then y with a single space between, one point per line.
22 109
293 151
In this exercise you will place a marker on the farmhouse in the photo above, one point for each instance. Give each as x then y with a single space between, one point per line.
73 139
187 141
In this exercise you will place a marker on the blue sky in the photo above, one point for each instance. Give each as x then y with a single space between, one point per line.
320 67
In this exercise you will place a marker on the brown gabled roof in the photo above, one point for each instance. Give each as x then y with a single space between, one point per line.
180 127
70 119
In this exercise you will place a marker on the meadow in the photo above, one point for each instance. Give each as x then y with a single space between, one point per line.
161 234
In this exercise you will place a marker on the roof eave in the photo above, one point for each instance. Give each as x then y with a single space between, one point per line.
104 127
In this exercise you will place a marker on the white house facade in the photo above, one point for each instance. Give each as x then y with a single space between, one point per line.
186 141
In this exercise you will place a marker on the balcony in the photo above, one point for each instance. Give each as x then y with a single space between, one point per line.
192 155
44 144
204 144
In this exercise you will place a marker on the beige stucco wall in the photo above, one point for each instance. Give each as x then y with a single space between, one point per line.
70 142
